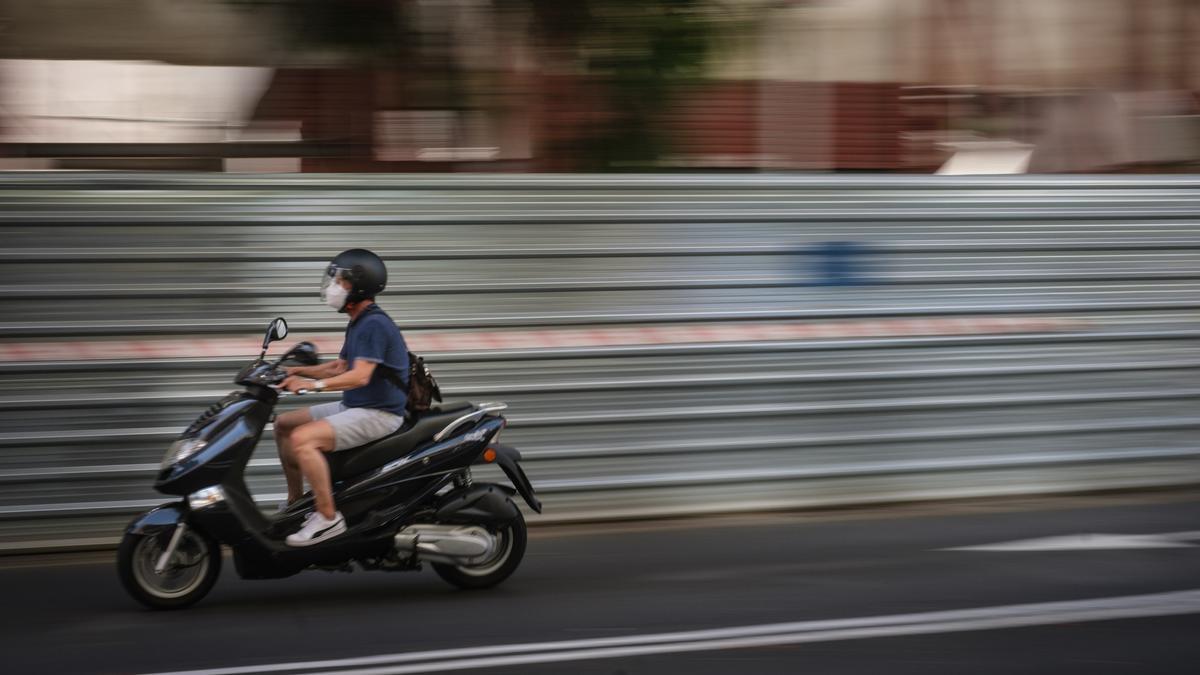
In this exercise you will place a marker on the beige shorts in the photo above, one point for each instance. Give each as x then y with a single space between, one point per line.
353 427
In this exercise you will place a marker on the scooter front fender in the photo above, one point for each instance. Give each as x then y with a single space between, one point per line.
158 520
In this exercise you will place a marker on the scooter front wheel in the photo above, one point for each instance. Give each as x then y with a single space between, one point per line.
188 576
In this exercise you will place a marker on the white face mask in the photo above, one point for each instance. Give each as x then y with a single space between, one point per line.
335 296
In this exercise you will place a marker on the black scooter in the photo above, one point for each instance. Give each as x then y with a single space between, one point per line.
407 498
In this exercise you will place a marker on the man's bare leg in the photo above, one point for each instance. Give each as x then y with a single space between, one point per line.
285 425
310 442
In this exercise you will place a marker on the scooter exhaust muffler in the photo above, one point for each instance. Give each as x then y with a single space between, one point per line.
451 544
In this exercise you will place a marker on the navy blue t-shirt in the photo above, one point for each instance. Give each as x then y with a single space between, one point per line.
373 337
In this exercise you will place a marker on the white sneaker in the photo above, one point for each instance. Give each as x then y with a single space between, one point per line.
317 528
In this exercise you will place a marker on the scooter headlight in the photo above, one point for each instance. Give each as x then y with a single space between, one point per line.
182 449
206 497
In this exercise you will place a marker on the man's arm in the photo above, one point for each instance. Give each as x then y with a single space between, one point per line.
369 350
356 377
321 370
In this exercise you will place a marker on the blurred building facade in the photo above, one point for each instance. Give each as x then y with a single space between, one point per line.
535 85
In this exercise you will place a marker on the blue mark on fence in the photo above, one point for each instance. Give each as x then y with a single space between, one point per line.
840 263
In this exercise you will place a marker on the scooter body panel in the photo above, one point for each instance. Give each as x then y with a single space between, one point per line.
230 436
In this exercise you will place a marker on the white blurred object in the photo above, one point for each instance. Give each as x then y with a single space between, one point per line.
125 101
986 157
1091 542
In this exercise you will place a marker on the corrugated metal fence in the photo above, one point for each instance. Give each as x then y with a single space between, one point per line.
1096 389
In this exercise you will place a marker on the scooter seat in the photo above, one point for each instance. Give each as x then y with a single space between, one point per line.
354 461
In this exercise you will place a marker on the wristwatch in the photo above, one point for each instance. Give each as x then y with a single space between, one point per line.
319 385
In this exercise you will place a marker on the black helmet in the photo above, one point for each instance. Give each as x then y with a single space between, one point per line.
363 269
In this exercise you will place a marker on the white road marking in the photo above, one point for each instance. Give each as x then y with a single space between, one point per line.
1091 542
983 618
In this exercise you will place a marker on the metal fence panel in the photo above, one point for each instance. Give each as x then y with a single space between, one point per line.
670 344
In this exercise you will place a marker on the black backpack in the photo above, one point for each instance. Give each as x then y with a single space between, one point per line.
422 388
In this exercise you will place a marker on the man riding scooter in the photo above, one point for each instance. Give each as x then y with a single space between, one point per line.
370 371
402 481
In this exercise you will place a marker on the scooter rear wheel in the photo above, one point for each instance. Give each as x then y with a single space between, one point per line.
510 549
189 576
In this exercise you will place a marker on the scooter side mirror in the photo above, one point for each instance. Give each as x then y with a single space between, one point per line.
276 331
304 353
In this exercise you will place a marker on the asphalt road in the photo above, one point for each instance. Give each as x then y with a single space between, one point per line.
849 592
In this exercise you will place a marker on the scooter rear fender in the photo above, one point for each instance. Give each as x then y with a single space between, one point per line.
508 457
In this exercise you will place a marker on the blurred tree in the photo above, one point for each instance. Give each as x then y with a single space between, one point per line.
347 30
633 53
638 52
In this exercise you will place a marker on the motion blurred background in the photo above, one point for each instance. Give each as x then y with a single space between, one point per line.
599 85
717 275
